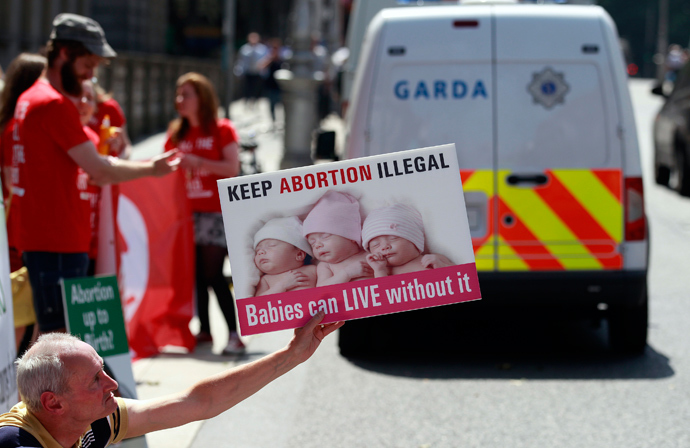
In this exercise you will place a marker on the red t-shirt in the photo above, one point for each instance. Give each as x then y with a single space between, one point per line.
7 145
111 108
202 190
53 213
94 194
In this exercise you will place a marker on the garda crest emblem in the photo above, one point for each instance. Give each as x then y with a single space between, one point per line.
548 88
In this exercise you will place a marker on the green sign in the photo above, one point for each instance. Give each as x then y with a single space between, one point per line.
93 312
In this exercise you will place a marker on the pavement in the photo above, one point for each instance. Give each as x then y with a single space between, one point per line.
174 372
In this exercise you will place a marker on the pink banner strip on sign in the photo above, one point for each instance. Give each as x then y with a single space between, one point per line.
364 298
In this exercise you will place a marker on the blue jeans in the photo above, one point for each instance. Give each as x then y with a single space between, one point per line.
274 97
46 269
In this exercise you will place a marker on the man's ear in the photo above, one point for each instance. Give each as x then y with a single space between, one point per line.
62 57
301 255
64 54
51 403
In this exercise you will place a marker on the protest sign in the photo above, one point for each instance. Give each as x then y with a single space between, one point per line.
93 313
8 383
387 234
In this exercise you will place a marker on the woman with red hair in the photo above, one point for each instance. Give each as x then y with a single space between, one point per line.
209 150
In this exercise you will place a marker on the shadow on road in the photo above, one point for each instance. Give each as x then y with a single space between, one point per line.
524 348
204 353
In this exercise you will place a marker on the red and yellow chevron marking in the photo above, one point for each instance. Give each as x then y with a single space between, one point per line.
529 249
611 179
586 211
574 222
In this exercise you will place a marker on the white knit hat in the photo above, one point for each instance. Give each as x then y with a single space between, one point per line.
398 220
288 229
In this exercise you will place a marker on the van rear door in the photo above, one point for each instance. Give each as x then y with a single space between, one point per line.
559 159
436 91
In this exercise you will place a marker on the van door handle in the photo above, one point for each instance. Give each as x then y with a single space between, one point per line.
535 179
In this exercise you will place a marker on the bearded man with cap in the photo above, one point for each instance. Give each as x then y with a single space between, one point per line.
51 147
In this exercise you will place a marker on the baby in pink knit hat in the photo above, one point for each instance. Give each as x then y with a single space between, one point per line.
334 231
279 253
394 236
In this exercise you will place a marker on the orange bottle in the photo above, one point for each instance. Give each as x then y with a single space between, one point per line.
105 134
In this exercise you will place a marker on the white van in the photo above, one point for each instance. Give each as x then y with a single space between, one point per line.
535 99
362 13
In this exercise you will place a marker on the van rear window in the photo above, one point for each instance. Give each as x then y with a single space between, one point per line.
552 115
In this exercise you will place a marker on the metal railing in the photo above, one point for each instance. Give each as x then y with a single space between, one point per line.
144 85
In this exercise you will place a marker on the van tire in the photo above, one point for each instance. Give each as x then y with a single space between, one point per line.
628 328
352 340
376 336
662 174
681 171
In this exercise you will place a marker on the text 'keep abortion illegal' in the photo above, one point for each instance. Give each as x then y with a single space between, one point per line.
340 176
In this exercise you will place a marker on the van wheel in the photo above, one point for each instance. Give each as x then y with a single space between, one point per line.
352 339
628 328
662 174
373 336
679 178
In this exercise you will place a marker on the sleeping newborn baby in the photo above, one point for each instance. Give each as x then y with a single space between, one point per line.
333 229
279 253
394 236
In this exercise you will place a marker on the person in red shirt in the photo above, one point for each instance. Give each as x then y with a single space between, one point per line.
86 105
22 72
106 106
54 230
209 150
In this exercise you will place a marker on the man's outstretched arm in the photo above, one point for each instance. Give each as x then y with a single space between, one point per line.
220 392
109 170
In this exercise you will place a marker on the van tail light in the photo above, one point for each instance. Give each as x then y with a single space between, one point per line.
635 225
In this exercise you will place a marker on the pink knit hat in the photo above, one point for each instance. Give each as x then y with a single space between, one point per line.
398 220
336 213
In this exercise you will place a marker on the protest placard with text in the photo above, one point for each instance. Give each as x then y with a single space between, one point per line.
8 382
404 212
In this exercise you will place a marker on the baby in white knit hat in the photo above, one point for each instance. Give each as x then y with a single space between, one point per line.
333 229
279 253
394 236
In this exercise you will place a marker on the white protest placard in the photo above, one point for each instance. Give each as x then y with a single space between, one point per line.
356 238
8 382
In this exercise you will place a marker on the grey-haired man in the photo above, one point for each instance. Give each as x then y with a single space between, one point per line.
67 398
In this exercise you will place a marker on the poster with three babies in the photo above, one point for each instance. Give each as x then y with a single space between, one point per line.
355 239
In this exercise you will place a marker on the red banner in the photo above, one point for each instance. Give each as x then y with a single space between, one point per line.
156 263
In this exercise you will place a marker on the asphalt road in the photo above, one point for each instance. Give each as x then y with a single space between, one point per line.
520 383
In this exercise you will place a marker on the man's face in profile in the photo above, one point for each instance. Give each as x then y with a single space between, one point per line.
78 69
91 391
